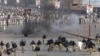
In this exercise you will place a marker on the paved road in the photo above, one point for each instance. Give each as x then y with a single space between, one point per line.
43 52
16 38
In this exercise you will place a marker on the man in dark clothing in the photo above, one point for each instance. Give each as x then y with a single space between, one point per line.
89 45
71 46
80 20
50 44
44 37
9 51
7 19
14 46
7 45
37 49
39 42
84 43
56 45
22 44
63 39
2 46
33 44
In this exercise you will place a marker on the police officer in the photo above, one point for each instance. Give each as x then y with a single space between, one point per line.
33 44
50 44
14 46
44 37
7 45
22 44
84 43
89 46
9 51
37 49
70 47
2 46
66 44
39 42
56 45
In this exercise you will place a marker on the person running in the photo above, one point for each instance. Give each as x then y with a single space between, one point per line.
33 44
44 39
7 45
2 46
90 46
37 49
14 46
9 51
50 44
80 44
22 44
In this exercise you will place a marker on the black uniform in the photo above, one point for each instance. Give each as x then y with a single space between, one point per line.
22 43
7 45
32 43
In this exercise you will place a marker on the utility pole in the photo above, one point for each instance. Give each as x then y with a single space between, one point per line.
89 12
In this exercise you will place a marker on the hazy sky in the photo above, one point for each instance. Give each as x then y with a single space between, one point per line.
95 3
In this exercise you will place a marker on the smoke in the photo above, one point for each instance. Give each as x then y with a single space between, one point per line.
13 29
71 23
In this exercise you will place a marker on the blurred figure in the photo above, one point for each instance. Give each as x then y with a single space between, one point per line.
80 44
14 47
44 37
50 44
7 45
84 43
71 46
90 46
39 43
33 44
97 37
80 21
56 45
8 17
37 49
22 44
66 44
9 51
2 46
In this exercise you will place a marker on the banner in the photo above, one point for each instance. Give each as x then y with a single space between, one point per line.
89 9
57 4
37 2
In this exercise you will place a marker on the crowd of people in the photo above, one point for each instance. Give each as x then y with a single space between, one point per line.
51 44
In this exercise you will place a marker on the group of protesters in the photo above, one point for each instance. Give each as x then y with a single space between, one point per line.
52 45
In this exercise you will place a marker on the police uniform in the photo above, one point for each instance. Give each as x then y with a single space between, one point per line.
22 44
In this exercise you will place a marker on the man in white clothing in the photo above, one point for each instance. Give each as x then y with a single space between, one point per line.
80 44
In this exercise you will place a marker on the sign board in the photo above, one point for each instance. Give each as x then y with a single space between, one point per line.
57 4
37 2
89 9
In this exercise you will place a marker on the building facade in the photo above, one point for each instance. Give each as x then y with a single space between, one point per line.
76 4
65 4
